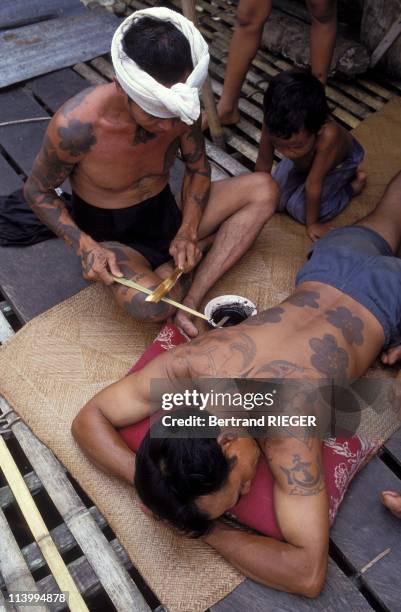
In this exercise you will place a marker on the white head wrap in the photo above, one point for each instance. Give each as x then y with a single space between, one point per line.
182 99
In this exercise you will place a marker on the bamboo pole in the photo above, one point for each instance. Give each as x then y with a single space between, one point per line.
216 131
39 530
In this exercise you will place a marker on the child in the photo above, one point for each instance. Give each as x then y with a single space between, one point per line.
320 170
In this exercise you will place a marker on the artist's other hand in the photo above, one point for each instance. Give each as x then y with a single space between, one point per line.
185 252
318 230
99 263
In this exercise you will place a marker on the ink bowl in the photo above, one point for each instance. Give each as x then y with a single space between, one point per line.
235 307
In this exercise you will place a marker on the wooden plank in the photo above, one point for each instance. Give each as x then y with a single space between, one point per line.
22 142
21 12
89 74
16 574
338 595
39 530
42 48
6 497
29 288
116 581
364 528
9 179
56 87
393 446
6 331
65 542
386 42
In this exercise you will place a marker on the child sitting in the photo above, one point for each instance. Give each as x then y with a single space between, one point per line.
320 170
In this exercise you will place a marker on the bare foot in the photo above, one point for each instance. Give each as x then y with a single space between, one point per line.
392 501
227 117
359 182
183 321
391 356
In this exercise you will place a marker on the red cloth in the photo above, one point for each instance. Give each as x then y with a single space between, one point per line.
342 458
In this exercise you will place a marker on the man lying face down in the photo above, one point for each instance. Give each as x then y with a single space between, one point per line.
343 313
116 143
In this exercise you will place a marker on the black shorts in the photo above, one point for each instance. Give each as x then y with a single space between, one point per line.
148 227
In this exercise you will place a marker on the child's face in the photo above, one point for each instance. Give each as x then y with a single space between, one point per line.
298 145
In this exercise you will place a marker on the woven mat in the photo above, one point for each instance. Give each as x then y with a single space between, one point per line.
63 357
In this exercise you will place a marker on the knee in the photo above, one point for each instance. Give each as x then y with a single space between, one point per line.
253 17
136 306
265 194
323 11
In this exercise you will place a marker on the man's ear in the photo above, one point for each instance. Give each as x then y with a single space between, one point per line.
225 439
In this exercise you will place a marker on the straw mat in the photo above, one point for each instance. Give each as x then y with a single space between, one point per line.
63 357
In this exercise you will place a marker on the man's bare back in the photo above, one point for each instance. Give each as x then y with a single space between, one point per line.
318 332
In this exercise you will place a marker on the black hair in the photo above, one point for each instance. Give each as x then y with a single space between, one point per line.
159 48
294 101
173 469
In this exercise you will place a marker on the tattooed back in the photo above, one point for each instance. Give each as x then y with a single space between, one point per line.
317 332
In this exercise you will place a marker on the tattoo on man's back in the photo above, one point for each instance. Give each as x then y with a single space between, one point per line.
305 298
350 326
280 368
329 358
77 138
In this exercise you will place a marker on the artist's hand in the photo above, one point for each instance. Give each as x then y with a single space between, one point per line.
318 230
185 252
99 263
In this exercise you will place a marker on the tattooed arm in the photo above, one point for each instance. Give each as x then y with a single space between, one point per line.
195 195
299 564
66 143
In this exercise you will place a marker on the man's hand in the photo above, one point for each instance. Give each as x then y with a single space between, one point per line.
99 263
317 230
185 252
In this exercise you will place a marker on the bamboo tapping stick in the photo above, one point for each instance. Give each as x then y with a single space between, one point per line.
39 530
138 287
216 131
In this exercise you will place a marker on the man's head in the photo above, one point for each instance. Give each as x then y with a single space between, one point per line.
161 61
160 49
295 109
189 482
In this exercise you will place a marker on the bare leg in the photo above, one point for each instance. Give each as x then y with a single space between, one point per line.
322 36
392 501
135 267
385 219
238 208
251 17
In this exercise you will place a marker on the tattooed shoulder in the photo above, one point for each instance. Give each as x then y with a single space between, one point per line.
302 477
76 101
77 137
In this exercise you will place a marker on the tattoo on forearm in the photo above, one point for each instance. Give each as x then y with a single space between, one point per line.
329 358
196 143
350 326
300 477
202 199
273 315
77 138
305 298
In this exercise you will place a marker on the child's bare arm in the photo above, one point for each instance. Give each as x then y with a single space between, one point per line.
324 160
264 160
